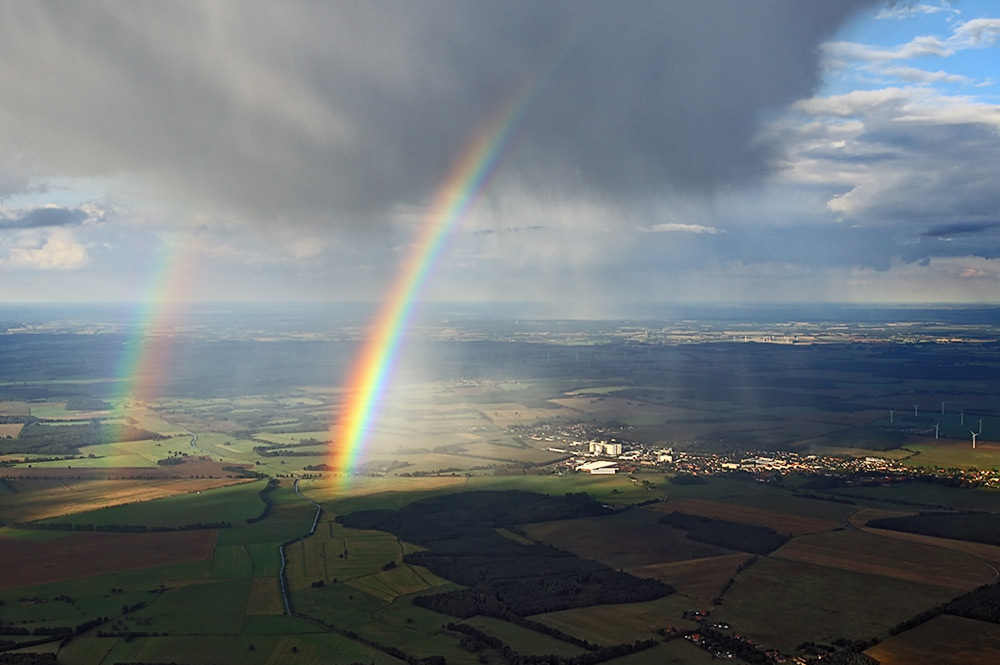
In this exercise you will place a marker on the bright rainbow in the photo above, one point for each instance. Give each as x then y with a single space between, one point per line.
143 364
466 180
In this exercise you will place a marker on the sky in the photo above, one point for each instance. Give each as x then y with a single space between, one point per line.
643 152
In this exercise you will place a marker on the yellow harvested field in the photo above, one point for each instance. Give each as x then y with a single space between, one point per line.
10 430
702 579
265 596
781 522
43 499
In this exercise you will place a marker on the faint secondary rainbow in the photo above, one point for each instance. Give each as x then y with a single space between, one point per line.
372 371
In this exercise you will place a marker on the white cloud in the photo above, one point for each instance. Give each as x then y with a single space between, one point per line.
56 250
918 47
916 75
909 10
977 33
674 227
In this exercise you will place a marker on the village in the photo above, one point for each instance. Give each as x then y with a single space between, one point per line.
601 453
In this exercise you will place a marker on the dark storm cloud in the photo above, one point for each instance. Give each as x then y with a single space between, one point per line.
947 231
44 217
307 111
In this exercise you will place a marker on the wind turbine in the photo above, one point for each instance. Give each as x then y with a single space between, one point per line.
916 408
974 435
962 415
937 430
890 416
980 425
942 408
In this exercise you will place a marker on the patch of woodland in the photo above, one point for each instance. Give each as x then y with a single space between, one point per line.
38 438
739 536
505 578
977 527
475 640
981 604
87 404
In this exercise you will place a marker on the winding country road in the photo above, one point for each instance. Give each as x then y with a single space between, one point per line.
282 579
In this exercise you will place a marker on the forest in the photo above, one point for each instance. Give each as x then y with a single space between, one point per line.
506 578
750 538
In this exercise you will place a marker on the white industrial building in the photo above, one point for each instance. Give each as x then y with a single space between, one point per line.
599 468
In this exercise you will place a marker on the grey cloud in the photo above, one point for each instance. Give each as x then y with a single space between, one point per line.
947 231
315 111
941 171
44 217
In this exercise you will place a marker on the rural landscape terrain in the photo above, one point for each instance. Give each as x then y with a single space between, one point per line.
756 485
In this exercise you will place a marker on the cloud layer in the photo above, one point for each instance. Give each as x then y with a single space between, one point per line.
666 151
341 112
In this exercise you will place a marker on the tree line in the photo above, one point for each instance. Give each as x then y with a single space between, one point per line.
119 528
478 639
977 527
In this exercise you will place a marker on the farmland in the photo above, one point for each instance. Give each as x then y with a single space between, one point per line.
169 546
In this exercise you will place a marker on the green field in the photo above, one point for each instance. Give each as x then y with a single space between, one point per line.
805 602
470 430
612 624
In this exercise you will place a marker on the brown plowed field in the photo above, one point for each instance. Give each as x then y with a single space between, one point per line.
861 552
699 578
781 522
26 563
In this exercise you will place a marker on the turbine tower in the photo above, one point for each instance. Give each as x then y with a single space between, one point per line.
937 430
916 408
974 435
980 425
890 416
942 408
962 416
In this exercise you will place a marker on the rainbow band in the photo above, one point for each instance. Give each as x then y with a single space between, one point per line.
144 363
373 371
